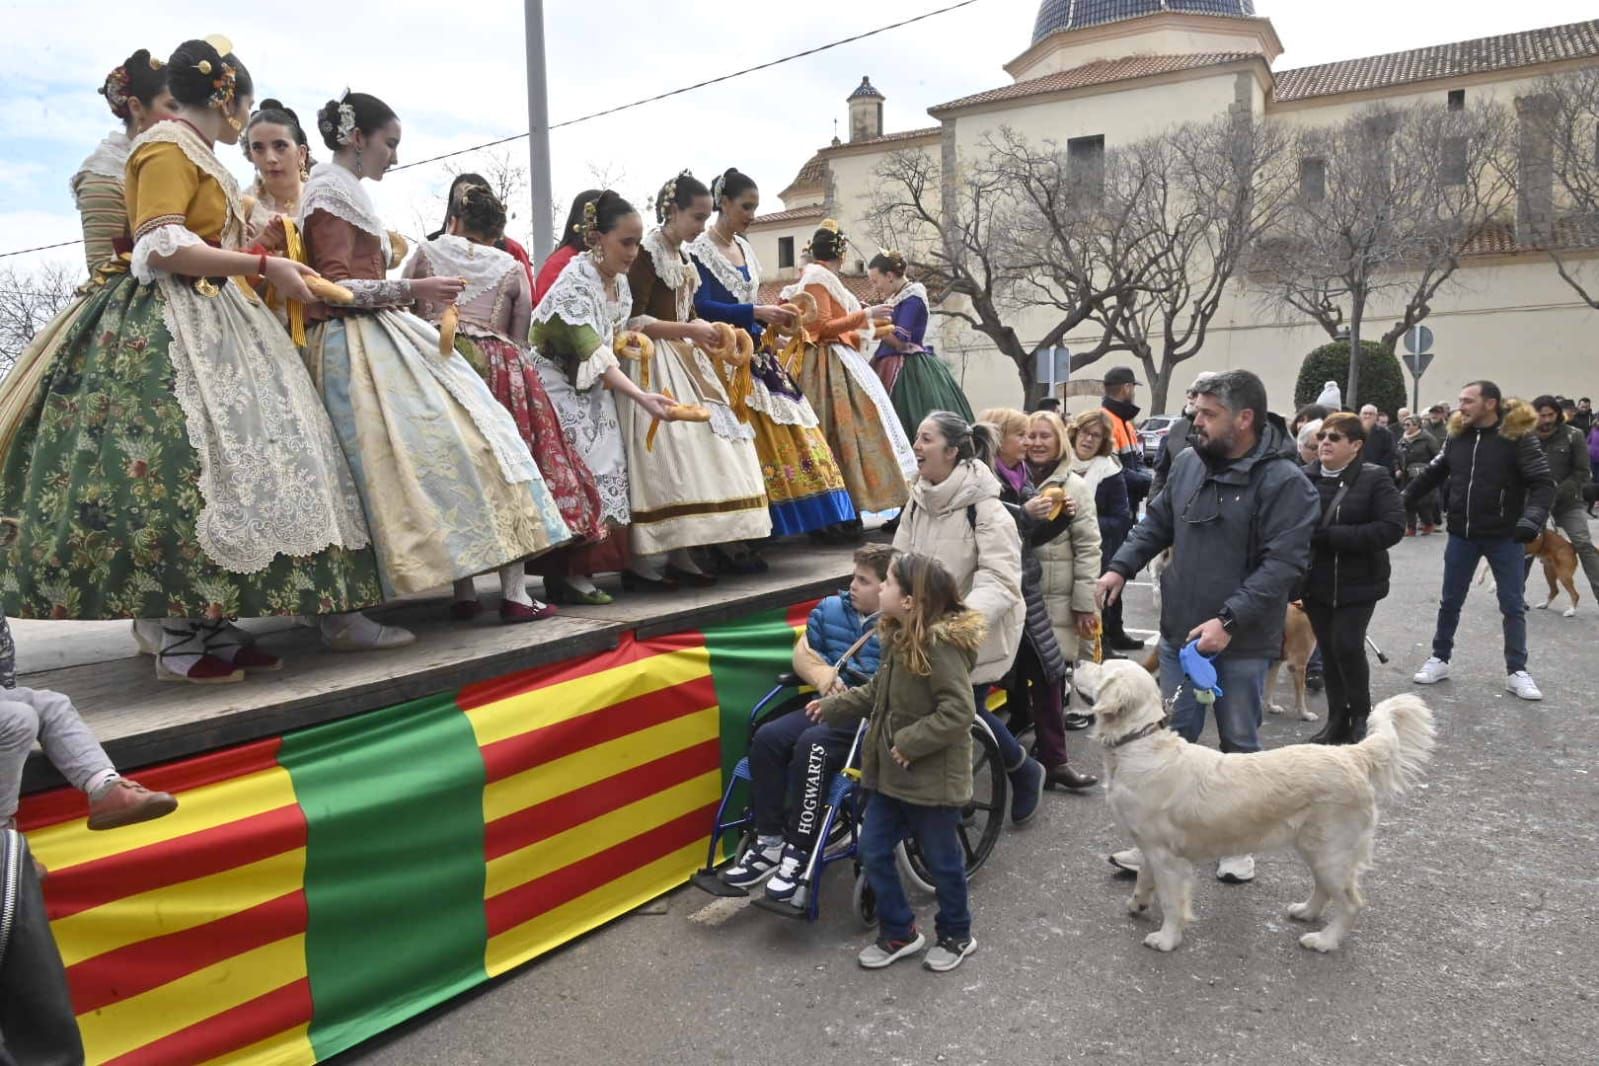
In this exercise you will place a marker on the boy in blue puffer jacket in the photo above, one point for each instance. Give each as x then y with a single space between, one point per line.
792 760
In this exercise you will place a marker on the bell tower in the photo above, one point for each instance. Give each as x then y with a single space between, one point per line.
865 112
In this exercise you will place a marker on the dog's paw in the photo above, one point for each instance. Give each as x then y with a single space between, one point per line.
1319 942
1161 940
1135 908
1569 612
1276 709
1308 715
1303 912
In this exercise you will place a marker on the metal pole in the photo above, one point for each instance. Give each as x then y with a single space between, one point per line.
538 141
1354 363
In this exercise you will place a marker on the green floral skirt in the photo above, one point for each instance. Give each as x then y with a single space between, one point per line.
101 489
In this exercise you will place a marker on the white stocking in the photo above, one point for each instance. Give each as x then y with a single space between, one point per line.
683 560
182 645
513 584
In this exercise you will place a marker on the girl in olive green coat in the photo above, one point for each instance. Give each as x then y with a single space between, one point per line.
916 756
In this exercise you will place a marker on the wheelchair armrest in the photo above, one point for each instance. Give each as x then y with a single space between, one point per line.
790 680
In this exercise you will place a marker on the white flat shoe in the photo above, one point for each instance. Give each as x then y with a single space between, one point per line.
382 638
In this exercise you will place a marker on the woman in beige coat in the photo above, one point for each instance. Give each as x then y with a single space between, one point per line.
955 516
1072 560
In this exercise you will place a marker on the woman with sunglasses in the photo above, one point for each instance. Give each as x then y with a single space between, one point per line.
1362 516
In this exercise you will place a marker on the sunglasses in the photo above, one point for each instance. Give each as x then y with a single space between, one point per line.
1334 437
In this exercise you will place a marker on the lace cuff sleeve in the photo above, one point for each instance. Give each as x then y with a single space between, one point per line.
370 292
163 239
599 360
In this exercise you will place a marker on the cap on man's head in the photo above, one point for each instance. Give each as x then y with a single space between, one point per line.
1120 375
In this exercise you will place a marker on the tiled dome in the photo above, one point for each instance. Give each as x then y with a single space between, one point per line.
1057 15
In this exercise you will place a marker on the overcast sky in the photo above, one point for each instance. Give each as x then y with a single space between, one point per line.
454 72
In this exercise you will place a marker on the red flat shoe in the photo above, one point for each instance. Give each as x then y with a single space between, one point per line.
465 610
207 670
513 613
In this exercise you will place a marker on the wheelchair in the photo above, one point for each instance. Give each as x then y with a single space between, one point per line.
838 837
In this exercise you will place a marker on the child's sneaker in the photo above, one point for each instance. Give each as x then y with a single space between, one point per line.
948 953
785 883
754 866
887 952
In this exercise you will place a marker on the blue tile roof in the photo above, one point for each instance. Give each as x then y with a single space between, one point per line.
1057 15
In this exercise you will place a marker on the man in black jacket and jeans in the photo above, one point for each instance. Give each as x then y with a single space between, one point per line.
1499 492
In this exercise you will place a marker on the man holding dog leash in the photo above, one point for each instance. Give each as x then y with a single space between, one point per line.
1566 449
1238 517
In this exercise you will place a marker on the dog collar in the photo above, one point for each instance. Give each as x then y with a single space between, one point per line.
1148 731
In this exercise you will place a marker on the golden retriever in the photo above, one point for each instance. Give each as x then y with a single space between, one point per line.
1299 644
1183 803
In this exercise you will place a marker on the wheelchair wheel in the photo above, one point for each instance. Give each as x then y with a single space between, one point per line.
981 822
865 901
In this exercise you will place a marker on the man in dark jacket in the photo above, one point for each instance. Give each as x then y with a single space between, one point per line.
1499 492
1120 386
1381 448
1566 450
1238 518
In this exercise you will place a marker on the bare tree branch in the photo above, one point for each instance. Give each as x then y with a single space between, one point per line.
29 299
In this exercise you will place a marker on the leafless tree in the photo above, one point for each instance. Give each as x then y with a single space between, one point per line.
29 299
1018 230
1558 172
1389 202
1200 195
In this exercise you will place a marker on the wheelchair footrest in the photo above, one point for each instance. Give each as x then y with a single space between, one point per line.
708 881
778 907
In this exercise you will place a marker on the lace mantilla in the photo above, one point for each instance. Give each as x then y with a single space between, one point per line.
578 298
482 266
671 264
335 190
816 274
906 291
200 154
108 160
744 289
162 240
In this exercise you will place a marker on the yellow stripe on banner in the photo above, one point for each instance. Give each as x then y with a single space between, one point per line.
560 776
540 707
571 920
292 1047
173 908
594 836
131 1023
66 845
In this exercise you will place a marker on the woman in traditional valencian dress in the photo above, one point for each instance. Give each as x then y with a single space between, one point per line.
571 244
575 329
804 488
870 445
177 463
449 487
916 380
495 311
691 483
276 145
510 247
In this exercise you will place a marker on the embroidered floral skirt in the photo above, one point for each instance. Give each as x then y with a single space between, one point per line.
511 377
104 487
850 404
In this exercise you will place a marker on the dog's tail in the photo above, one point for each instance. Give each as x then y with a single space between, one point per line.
1399 741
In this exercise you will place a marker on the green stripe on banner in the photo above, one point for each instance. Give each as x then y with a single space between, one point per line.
394 869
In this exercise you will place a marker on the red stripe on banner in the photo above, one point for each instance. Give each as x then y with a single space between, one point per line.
628 651
126 972
246 1024
527 901
67 804
537 747
800 613
545 820
171 862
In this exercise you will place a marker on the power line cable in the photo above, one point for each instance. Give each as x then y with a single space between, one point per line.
636 103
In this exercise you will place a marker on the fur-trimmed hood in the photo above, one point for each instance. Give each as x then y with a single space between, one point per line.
965 630
1518 420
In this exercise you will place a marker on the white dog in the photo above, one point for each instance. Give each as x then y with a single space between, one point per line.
1183 803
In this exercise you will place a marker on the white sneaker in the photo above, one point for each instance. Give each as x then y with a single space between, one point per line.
1131 860
1236 869
1432 671
1522 685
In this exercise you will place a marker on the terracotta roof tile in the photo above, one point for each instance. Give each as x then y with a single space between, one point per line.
814 172
1508 51
887 138
855 283
798 214
1100 72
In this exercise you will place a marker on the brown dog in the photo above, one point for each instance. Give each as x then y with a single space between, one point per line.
1559 560
1299 643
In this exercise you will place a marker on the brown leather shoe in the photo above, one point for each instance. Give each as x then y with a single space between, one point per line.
1063 776
125 802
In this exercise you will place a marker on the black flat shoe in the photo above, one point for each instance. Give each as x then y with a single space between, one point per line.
689 578
1122 642
632 582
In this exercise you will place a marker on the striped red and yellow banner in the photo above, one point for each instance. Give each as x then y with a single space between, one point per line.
315 889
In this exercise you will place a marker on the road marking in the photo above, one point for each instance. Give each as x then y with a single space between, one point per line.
721 910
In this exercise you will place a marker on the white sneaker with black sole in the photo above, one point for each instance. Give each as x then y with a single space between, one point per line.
757 863
948 953
785 885
1432 671
887 952
1521 684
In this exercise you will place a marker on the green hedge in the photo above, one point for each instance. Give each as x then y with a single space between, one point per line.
1382 379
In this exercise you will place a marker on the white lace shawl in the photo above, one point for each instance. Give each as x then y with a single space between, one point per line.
108 160
906 291
481 266
170 236
578 298
335 190
722 269
816 274
675 271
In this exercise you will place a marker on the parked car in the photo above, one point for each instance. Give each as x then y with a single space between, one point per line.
1152 431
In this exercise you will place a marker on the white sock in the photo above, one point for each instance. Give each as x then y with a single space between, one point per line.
357 625
683 560
99 781
182 645
765 841
582 583
513 584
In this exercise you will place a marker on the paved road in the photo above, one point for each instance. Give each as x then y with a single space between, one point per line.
1480 944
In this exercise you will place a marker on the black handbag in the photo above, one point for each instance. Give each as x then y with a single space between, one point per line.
37 1026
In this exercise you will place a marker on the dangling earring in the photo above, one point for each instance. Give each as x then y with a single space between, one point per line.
597 254
360 170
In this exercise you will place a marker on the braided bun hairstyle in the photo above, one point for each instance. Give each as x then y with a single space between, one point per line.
365 113
481 213
888 263
730 184
141 77
194 70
